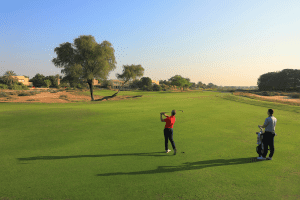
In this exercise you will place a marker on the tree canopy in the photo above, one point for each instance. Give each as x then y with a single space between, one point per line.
8 78
287 79
130 72
86 59
180 81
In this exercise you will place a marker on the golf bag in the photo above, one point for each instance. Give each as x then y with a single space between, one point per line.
260 147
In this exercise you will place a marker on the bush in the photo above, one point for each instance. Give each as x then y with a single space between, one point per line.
53 91
24 94
3 94
79 86
63 96
296 96
157 87
24 87
62 85
3 86
147 88
15 87
264 93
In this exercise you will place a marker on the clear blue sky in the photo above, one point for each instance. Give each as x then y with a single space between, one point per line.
227 43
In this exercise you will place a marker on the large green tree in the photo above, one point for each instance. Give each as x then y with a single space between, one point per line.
145 82
164 82
287 79
53 80
8 78
180 81
187 83
86 58
130 72
211 85
38 80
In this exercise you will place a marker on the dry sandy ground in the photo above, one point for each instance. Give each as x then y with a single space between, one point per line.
75 96
277 98
47 97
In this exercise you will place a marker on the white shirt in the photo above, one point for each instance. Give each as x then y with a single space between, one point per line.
270 124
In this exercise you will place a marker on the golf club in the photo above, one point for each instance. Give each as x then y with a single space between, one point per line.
169 112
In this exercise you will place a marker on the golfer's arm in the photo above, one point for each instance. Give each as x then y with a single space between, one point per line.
161 119
263 126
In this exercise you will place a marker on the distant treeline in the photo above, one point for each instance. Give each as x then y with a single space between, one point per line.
285 80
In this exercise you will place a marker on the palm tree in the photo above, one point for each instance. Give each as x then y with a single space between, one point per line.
8 77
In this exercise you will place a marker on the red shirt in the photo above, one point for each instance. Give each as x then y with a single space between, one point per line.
169 121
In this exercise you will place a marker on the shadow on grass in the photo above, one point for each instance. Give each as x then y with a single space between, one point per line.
189 166
87 156
110 97
160 169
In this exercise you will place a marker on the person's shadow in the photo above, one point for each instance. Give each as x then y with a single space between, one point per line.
160 169
188 166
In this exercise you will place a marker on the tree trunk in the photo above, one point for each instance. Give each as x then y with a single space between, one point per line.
91 89
119 89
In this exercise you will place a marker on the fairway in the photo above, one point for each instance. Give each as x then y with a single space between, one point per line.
115 149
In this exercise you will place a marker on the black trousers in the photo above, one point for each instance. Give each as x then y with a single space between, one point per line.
168 132
268 141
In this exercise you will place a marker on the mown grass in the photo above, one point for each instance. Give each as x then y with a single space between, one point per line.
115 149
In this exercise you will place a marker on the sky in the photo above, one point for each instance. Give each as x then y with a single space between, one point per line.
227 43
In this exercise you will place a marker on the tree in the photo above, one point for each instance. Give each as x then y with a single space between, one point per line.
287 79
157 87
211 85
87 60
187 83
164 82
179 81
145 81
193 86
135 84
53 81
265 81
48 82
130 72
8 78
38 80
200 84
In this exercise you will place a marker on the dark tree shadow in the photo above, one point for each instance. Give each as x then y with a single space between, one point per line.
189 166
122 97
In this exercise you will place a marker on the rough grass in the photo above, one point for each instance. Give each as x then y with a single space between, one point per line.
248 95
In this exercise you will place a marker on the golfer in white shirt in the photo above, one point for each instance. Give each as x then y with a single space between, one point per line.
268 137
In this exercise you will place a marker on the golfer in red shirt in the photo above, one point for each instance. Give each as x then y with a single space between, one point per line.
168 131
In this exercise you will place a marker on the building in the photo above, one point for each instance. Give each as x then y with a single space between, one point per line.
155 82
23 80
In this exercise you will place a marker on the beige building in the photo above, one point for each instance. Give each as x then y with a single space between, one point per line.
23 80
155 82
